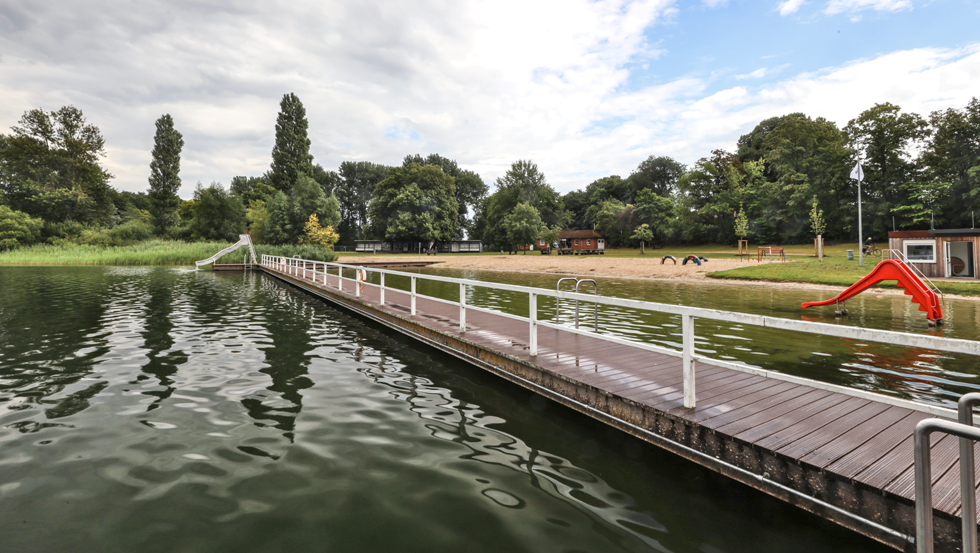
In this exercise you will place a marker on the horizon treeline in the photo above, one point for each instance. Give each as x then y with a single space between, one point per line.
919 171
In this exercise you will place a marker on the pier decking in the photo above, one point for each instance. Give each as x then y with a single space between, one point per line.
846 457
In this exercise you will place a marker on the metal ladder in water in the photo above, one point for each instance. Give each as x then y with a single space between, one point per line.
578 282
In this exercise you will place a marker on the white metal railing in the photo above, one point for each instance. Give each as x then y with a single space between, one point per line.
901 257
967 434
317 272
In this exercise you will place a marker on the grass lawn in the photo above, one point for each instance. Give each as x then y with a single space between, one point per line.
833 272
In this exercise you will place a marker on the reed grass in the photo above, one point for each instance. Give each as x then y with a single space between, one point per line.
150 252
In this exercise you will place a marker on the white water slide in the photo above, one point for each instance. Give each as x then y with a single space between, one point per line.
243 240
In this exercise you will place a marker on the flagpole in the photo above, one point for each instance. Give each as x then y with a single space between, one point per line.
858 174
860 229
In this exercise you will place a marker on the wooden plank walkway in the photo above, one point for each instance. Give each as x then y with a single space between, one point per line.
862 442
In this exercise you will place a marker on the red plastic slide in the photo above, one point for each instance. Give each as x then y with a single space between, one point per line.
892 269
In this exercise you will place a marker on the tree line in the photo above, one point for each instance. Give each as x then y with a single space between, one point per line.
786 179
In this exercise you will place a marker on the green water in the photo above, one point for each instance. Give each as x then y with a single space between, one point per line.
163 410
929 376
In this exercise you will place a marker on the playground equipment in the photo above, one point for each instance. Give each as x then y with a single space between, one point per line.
922 290
695 258
243 240
666 257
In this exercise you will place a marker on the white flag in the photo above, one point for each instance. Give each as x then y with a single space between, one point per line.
857 173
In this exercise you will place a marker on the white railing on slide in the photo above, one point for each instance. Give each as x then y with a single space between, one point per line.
243 240
318 271
901 257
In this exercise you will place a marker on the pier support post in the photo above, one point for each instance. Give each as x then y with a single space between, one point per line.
382 301
413 295
462 307
687 336
533 316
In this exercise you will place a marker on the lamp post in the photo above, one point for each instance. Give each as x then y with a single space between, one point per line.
858 174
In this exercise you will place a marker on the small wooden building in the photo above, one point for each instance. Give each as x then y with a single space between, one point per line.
580 242
455 246
939 253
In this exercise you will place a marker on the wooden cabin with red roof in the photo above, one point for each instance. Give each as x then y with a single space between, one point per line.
580 242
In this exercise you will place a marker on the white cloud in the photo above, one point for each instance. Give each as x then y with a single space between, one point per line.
483 83
790 6
841 6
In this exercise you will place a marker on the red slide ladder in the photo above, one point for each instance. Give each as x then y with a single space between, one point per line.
893 269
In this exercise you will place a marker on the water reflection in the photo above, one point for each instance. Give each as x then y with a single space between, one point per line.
227 412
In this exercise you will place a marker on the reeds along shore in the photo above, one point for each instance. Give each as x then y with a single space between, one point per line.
151 252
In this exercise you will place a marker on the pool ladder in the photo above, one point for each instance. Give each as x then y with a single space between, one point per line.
578 282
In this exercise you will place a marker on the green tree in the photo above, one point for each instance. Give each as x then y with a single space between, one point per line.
644 235
522 225
655 211
218 215
549 235
884 138
291 154
657 174
18 228
287 214
414 203
951 152
614 221
355 190
165 174
741 223
523 183
56 150
470 188
258 220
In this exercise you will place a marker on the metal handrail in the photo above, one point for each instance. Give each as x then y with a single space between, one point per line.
688 315
967 434
595 292
558 300
918 272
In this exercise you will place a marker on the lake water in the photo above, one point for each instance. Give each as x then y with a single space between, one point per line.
161 409
928 376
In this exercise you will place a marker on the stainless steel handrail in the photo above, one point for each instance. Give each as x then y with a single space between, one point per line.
558 300
967 434
595 292
918 272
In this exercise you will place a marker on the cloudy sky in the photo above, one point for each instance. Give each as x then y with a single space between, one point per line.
584 88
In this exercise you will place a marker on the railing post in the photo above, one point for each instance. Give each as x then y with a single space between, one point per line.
413 295
968 501
533 316
687 337
382 302
340 278
357 283
462 307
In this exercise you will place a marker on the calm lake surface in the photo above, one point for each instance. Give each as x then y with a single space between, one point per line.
160 409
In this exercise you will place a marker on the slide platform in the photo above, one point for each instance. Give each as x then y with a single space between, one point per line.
892 269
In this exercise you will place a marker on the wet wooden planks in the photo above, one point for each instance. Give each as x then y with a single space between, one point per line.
857 439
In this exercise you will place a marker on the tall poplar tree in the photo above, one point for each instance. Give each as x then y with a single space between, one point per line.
165 174
291 154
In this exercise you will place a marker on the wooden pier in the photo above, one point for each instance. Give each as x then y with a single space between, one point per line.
845 455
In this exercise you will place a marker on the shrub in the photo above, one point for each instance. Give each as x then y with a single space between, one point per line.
18 229
303 251
133 231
